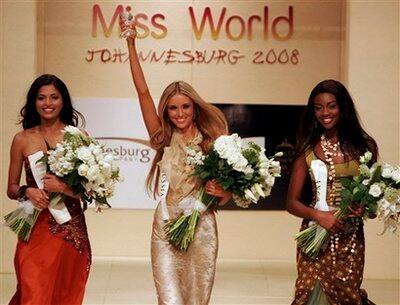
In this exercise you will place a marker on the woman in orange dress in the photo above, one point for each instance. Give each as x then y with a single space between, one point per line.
53 266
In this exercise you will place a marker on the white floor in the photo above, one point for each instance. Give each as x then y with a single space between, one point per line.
130 281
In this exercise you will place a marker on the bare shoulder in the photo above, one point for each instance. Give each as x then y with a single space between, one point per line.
23 137
29 141
19 143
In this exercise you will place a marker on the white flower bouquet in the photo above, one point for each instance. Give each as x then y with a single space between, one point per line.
79 161
244 171
376 188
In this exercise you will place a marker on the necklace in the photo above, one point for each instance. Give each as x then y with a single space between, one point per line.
333 149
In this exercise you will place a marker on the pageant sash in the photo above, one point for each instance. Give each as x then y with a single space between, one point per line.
320 173
164 186
57 207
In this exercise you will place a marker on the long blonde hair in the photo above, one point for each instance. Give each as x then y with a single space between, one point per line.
210 121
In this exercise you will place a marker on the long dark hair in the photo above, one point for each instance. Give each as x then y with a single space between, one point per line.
353 139
29 114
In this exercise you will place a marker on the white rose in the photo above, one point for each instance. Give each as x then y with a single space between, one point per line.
240 164
97 151
264 164
91 161
365 181
105 169
226 145
249 195
99 180
366 157
396 175
91 147
375 190
108 158
259 189
248 170
387 171
270 180
83 169
84 153
93 172
72 130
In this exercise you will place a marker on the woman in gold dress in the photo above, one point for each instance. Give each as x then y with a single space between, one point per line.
330 131
183 119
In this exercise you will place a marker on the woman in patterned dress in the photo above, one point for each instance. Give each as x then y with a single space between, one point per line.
183 119
53 266
330 131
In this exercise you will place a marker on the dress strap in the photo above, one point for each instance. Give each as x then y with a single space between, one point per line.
310 156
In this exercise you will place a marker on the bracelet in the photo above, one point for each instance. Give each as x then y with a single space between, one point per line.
22 193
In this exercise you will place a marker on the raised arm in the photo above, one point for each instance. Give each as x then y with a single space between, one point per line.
147 106
296 207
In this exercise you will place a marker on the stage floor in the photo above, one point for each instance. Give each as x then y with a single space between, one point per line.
129 281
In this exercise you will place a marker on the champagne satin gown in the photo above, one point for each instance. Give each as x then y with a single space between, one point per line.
183 278
53 266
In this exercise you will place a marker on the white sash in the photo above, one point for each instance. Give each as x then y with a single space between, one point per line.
56 208
320 173
164 186
188 204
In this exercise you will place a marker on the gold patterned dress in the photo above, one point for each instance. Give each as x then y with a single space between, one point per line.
184 278
335 276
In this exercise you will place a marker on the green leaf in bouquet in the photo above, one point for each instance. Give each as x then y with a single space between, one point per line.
355 190
73 179
358 195
227 183
204 175
249 176
221 163
372 208
376 176
103 200
346 193
345 182
251 156
345 202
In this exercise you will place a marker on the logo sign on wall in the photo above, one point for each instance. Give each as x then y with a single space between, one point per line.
230 51
118 124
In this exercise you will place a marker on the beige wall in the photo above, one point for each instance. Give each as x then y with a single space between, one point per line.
18 69
372 48
261 235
